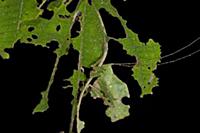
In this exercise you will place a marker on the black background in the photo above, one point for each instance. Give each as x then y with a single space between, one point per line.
172 107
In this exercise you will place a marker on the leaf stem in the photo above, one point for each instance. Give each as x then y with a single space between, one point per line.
81 97
53 73
72 117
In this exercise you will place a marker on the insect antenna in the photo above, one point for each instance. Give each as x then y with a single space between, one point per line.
178 51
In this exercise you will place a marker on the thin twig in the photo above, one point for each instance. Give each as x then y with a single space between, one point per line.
53 73
87 85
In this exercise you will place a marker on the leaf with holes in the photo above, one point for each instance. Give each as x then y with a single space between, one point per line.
147 56
57 28
24 23
111 89
13 13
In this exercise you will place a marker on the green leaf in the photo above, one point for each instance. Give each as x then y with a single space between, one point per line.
25 15
43 106
57 29
46 31
13 13
111 89
147 56
92 39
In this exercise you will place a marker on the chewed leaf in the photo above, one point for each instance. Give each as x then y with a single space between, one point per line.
147 55
13 13
57 28
43 105
20 19
80 125
111 89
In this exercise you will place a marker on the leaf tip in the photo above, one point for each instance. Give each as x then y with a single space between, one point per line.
43 105
40 108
